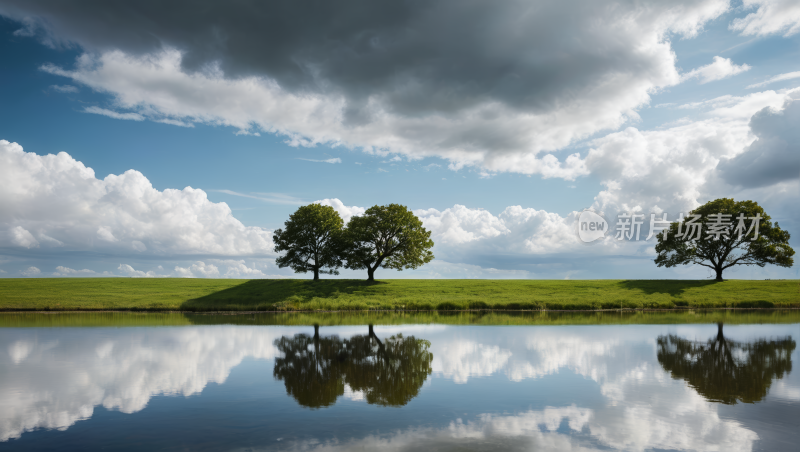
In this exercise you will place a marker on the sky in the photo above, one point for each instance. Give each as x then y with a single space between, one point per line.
153 139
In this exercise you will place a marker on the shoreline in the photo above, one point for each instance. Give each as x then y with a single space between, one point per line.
391 311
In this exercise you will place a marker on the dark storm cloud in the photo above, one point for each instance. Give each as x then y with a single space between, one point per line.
774 157
425 56
485 84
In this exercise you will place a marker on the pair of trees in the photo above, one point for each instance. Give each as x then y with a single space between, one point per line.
315 370
316 240
720 245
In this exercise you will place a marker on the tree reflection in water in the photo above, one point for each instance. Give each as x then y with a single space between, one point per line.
315 369
726 371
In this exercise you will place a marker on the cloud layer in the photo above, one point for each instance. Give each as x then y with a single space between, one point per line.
54 202
474 82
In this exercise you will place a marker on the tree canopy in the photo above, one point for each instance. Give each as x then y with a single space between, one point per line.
315 369
309 238
387 237
727 371
723 233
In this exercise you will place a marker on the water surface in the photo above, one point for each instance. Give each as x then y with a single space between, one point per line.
165 382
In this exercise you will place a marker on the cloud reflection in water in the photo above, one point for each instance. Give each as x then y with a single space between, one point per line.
52 378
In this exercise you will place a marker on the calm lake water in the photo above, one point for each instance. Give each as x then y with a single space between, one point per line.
260 385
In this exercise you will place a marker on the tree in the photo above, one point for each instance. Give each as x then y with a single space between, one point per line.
723 233
388 237
726 371
309 239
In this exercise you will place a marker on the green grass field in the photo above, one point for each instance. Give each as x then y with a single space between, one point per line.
66 294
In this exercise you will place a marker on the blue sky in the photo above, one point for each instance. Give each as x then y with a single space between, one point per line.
649 108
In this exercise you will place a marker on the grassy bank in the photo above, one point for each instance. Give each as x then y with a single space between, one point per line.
487 318
65 294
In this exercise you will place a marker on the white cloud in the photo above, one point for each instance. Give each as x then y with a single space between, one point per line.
31 271
460 224
175 122
66 271
721 68
771 17
49 240
516 229
234 269
103 233
777 78
63 202
22 237
332 160
131 272
239 269
346 212
64 88
198 270
674 169
273 198
481 130
114 114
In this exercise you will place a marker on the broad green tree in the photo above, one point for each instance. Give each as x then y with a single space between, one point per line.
723 233
388 237
727 371
309 239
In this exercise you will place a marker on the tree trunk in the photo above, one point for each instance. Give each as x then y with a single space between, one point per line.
316 341
719 273
370 274
316 274
372 337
